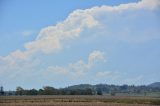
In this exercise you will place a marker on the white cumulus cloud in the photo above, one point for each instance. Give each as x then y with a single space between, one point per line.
78 68
95 56
116 21
51 38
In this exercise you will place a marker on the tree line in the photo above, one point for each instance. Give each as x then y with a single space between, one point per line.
86 89
47 90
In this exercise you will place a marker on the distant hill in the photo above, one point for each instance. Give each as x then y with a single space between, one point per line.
102 87
80 86
106 88
155 85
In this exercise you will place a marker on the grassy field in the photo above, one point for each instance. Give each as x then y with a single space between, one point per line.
78 101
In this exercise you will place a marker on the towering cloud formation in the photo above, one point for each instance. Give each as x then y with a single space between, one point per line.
51 38
110 20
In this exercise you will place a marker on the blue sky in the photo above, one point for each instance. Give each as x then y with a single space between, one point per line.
61 43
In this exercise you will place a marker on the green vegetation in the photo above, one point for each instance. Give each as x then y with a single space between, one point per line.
152 90
53 91
99 89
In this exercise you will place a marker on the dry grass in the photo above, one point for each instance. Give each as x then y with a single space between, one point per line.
72 104
78 101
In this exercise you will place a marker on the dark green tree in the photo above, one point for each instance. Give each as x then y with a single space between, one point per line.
47 90
32 92
19 91
99 92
